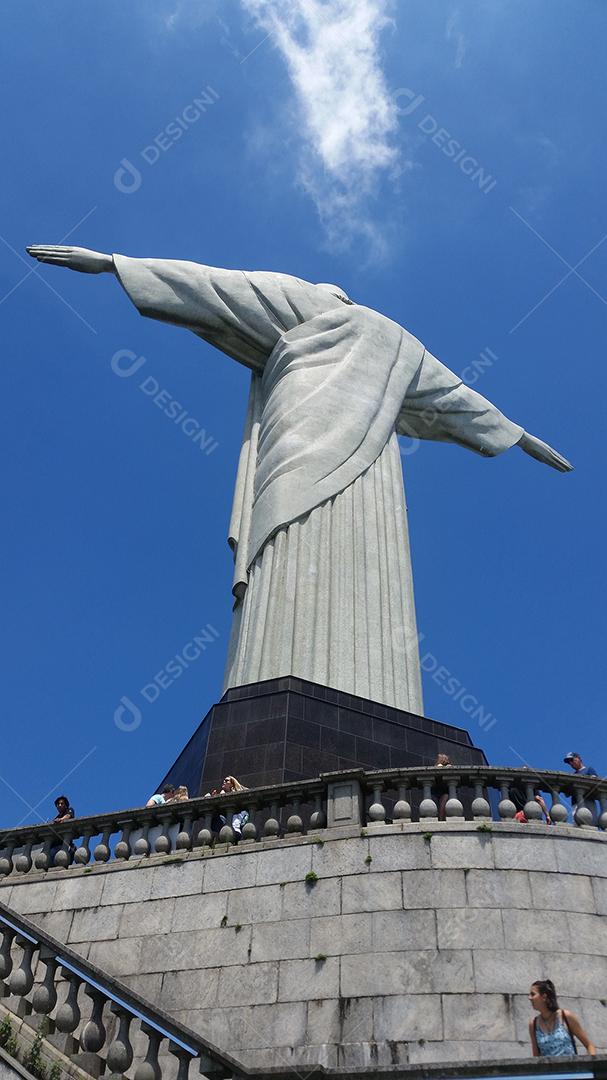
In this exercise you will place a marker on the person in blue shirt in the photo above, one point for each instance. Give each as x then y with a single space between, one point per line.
554 1030
161 797
574 759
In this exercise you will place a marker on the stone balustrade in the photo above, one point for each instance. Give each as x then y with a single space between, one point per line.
105 1035
458 793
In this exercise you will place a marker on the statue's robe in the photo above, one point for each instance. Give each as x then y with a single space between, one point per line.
323 585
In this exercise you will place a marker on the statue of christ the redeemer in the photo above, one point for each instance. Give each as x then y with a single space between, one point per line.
323 584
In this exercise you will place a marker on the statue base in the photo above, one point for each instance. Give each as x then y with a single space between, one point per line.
288 729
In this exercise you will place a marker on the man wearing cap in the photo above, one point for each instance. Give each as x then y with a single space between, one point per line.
574 759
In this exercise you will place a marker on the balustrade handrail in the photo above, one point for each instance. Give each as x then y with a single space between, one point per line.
544 780
423 793
98 823
107 989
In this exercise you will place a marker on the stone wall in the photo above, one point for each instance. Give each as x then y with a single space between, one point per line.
415 943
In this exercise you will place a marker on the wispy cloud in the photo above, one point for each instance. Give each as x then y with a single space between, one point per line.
184 13
348 117
453 33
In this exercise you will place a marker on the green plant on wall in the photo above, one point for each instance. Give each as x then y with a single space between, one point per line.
32 1059
8 1041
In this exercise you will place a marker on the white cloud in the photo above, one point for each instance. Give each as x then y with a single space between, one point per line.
348 117
192 15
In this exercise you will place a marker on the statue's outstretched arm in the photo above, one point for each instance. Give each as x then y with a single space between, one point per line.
438 405
73 258
243 314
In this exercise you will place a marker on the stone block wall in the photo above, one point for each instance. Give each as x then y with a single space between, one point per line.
414 943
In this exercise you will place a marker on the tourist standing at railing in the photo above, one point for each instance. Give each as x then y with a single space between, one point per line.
440 792
65 812
229 786
554 1031
519 799
166 795
574 760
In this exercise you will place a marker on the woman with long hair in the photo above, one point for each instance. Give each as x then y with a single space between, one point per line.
229 786
554 1030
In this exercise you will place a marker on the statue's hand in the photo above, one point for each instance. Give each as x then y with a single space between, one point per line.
544 453
74 258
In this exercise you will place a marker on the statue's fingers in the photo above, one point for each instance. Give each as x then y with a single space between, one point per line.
48 249
559 462
56 260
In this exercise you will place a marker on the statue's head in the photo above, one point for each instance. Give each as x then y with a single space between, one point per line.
335 290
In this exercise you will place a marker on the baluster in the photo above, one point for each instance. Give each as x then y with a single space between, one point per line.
23 861
120 1052
22 979
318 818
63 856
150 1069
454 808
102 849
505 808
45 994
184 1057
68 1014
6 862
123 848
183 840
427 807
583 815
532 809
205 835
93 1033
6 960
377 810
208 1067
226 832
558 811
294 820
162 844
42 859
402 806
82 855
603 813
249 829
142 846
480 805
271 828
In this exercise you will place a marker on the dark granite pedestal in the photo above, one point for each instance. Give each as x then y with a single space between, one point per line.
288 729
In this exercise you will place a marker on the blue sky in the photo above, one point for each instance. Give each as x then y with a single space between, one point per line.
448 175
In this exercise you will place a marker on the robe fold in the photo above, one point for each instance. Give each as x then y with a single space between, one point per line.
322 581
